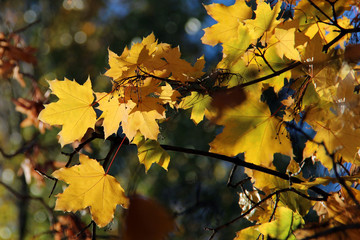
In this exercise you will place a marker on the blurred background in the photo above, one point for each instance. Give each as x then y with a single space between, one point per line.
71 39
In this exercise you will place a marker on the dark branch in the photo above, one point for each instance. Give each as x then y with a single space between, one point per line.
242 163
215 230
27 26
333 230
22 149
22 196
276 73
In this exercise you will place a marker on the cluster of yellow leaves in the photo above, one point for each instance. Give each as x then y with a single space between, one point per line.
257 42
136 102
137 99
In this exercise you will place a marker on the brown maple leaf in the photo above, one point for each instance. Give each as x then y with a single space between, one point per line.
12 51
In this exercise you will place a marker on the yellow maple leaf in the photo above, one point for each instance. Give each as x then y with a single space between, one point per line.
90 186
143 122
234 49
73 110
339 139
229 18
286 43
251 128
113 112
198 104
146 55
264 21
150 151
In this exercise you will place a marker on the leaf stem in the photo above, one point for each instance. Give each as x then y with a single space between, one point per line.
112 160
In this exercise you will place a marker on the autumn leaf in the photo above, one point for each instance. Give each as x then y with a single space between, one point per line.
249 233
340 139
150 151
251 128
234 49
229 18
73 110
180 69
69 227
286 222
198 104
146 55
113 112
265 19
31 109
147 219
143 122
90 186
286 43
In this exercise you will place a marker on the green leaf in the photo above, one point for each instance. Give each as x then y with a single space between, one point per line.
282 228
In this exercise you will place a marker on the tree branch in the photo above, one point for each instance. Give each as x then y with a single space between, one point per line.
22 196
22 149
215 230
333 230
242 163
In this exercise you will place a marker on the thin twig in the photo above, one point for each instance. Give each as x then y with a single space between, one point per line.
275 206
323 13
215 230
29 197
27 26
22 149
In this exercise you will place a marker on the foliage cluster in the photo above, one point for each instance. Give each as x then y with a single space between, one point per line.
285 96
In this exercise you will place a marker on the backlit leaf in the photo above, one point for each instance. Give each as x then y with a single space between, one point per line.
150 151
89 186
73 110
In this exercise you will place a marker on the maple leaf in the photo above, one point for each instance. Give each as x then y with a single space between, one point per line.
339 139
286 222
90 186
234 49
168 95
229 18
73 110
143 122
12 52
251 128
198 104
113 112
180 69
264 21
150 151
339 211
247 234
146 55
285 45
32 110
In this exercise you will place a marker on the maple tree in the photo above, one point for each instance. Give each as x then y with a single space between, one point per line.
284 98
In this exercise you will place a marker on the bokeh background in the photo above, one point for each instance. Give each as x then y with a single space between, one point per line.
72 38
